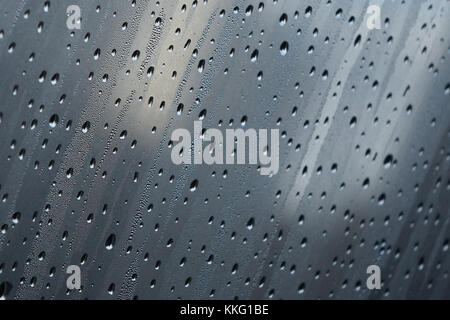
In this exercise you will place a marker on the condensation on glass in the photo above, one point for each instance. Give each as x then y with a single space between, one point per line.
91 92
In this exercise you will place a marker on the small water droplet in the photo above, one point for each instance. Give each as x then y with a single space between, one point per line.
283 19
284 48
53 122
86 126
135 55
110 242
194 185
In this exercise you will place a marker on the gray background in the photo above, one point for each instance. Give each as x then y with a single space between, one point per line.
364 149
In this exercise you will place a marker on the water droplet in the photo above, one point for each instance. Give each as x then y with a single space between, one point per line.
16 217
388 161
135 55
194 185
201 66
110 242
53 122
250 224
86 126
254 56
284 48
283 19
